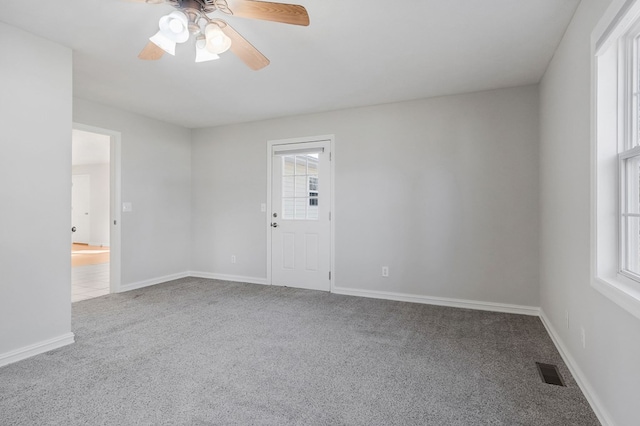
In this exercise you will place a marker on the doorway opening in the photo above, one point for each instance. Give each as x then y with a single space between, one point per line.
94 240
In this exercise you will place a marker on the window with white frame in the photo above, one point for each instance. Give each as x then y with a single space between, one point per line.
629 154
616 155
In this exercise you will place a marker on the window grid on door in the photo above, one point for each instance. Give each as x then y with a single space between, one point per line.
300 187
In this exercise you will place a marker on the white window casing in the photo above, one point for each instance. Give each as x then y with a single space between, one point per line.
615 171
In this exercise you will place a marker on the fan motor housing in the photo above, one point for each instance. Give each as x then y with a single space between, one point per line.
190 4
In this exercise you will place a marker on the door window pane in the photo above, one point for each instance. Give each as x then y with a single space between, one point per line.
312 210
300 196
301 209
312 164
301 186
287 208
313 183
301 165
288 186
288 165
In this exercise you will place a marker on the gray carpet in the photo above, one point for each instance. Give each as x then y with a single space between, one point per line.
195 351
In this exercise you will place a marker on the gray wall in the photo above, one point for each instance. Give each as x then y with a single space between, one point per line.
99 201
156 179
444 191
609 363
35 176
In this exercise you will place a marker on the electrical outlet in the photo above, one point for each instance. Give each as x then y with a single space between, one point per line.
385 271
567 319
233 258
583 335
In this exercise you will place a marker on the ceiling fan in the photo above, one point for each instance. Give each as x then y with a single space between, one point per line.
214 36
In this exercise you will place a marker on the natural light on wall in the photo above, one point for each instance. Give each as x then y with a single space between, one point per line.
616 155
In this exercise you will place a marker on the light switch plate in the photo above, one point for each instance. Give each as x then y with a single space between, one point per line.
127 207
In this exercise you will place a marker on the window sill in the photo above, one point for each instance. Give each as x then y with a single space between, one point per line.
620 290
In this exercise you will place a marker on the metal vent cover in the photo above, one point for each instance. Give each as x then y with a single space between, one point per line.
550 374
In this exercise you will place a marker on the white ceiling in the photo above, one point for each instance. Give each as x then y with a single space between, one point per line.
354 53
89 148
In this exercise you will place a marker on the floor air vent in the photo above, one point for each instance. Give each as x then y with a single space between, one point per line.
550 374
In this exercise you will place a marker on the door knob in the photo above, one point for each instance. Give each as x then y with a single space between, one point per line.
274 225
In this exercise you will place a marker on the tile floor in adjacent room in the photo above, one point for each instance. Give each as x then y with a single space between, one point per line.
89 281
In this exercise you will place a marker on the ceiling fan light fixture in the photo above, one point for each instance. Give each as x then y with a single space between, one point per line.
201 42
214 35
175 27
217 41
164 43
202 54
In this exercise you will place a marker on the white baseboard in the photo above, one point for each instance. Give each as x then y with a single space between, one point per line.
402 297
586 388
195 274
36 349
152 281
440 301
225 277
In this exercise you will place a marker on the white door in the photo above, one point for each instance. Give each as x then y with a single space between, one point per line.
80 199
300 215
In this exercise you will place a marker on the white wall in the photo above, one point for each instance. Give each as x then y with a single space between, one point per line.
98 202
156 179
444 191
35 189
609 364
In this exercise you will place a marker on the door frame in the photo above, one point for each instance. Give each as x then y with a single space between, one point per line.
308 139
115 201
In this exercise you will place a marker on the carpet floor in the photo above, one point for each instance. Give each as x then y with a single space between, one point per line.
197 352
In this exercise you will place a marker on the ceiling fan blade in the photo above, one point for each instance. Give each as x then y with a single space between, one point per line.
151 52
245 50
268 11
